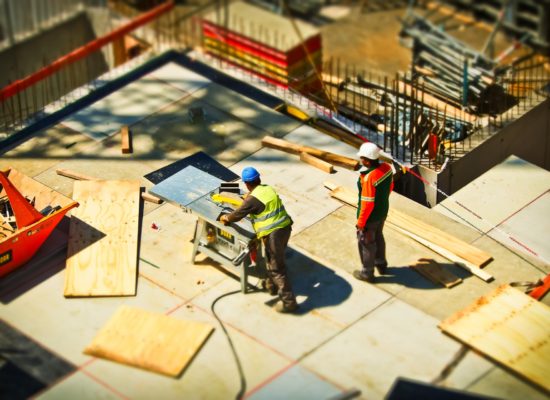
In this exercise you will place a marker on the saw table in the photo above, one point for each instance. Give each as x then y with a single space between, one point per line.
234 246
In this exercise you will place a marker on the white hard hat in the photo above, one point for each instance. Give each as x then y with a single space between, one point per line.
369 150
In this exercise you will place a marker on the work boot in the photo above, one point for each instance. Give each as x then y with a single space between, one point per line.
286 308
382 268
270 287
359 275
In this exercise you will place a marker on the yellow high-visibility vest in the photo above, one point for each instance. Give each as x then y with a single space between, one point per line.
274 215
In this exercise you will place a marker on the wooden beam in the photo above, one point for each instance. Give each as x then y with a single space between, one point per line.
316 162
126 140
293 148
81 177
75 175
468 266
470 253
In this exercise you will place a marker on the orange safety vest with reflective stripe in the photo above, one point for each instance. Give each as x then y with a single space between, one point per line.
375 185
274 216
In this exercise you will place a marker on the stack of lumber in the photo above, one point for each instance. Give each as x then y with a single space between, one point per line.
265 44
461 253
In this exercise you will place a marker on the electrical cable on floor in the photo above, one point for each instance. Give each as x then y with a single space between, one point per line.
235 355
450 367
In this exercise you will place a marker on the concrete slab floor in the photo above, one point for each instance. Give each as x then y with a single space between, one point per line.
502 196
45 149
348 333
123 107
353 357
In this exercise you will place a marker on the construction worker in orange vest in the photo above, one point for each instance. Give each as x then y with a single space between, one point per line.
375 184
273 225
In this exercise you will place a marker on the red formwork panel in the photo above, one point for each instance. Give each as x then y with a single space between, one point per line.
33 228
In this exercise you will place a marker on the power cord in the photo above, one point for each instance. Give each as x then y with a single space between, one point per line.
242 390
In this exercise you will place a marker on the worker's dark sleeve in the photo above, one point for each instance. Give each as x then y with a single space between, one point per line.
251 205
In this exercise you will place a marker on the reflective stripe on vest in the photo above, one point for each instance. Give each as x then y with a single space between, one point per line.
274 215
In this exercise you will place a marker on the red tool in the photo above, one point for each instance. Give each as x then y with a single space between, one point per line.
19 244
539 291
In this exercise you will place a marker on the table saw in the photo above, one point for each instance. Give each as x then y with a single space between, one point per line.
234 246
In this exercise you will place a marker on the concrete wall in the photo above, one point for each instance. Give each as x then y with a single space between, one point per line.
32 54
528 138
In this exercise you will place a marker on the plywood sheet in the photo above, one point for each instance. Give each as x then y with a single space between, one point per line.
511 328
150 341
103 234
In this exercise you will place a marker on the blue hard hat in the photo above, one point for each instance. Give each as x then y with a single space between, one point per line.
250 174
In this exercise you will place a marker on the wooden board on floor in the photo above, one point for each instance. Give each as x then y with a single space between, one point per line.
435 272
125 140
151 341
103 236
509 327
462 249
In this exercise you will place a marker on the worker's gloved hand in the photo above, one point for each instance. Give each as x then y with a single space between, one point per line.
224 220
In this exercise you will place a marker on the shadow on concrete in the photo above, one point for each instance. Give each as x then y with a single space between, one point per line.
321 286
406 276
48 261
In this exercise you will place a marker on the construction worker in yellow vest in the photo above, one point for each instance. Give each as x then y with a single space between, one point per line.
273 226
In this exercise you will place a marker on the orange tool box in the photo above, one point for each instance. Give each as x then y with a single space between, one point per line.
23 229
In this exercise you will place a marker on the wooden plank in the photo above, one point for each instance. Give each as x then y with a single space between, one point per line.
462 249
151 341
445 244
465 251
150 198
435 272
316 162
509 327
75 175
125 140
293 148
103 235
445 253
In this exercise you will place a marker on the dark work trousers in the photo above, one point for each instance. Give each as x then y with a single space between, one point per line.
372 246
275 246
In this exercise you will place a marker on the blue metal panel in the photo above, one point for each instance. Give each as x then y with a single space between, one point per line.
186 186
